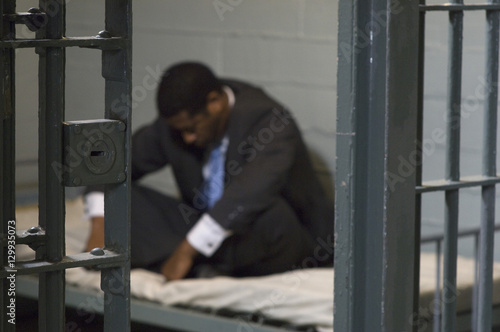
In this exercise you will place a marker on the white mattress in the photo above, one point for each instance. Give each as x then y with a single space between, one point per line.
300 297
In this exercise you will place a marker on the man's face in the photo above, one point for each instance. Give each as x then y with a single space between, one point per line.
207 125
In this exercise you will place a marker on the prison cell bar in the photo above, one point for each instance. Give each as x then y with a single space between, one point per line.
482 298
438 240
89 42
51 260
452 166
377 110
51 192
418 167
437 294
117 71
475 288
460 7
486 243
7 151
464 182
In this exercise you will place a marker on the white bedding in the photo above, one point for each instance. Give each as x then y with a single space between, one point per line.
300 297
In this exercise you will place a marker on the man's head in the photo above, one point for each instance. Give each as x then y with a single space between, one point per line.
193 103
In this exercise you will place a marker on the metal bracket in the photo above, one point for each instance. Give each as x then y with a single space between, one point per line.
34 19
34 237
94 152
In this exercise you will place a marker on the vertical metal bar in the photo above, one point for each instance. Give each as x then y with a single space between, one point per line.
375 194
117 71
7 151
352 196
486 242
448 299
51 190
418 169
475 289
345 182
452 170
437 293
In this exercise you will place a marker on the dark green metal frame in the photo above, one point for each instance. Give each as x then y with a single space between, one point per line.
47 238
380 117
453 182
377 113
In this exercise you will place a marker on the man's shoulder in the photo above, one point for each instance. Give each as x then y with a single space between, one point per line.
253 108
250 97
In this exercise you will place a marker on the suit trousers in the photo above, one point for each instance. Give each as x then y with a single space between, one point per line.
274 242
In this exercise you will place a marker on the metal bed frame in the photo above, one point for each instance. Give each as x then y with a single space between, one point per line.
205 319
154 314
466 321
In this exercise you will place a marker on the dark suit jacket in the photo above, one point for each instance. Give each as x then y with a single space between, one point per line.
266 160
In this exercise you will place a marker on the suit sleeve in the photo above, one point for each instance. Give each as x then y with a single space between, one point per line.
256 181
148 153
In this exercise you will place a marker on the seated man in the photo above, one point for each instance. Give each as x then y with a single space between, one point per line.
250 201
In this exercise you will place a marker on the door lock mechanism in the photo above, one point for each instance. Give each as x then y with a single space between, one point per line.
99 154
94 152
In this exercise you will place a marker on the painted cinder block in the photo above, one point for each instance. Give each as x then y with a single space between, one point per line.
280 60
84 18
320 19
218 16
312 106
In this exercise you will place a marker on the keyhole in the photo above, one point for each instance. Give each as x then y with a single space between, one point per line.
100 155
97 153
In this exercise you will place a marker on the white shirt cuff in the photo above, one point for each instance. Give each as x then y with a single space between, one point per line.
207 235
94 204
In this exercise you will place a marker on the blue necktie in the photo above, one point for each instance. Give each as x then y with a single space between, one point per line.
214 186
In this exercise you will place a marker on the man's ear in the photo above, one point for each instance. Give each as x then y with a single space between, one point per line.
213 95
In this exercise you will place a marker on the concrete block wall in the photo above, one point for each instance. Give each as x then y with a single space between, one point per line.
286 46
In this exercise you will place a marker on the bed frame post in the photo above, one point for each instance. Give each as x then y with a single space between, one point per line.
376 165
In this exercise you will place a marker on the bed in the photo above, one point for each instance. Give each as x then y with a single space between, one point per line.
299 300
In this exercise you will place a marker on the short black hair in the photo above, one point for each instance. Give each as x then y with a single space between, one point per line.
185 86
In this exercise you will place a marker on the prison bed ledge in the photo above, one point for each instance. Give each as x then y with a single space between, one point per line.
299 298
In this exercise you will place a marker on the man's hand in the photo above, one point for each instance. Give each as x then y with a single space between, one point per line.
96 237
181 261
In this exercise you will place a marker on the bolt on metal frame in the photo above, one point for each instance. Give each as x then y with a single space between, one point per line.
48 237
